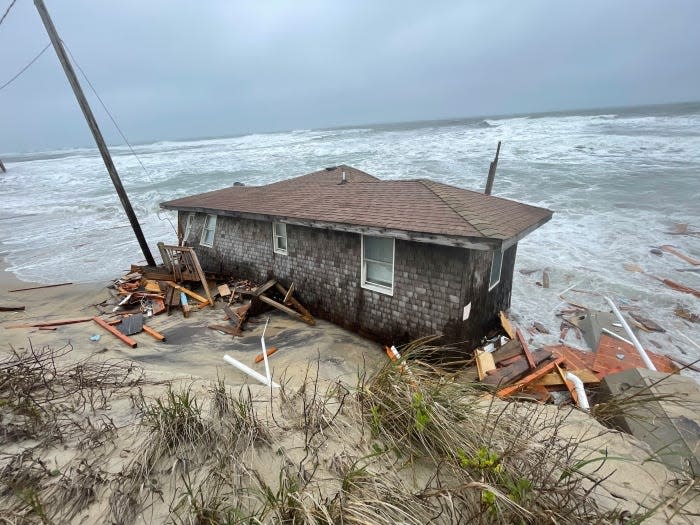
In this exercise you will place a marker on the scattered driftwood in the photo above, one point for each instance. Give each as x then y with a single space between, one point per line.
670 249
58 322
646 323
686 314
11 308
39 287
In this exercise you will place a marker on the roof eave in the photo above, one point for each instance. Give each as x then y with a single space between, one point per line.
527 231
472 243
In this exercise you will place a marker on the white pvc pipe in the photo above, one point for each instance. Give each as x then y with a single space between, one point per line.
264 353
630 333
252 373
580 391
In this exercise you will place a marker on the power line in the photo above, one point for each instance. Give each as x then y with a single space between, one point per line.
7 11
25 67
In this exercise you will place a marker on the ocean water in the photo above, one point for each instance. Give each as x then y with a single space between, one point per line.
617 180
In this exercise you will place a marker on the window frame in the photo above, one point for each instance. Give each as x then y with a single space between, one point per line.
205 230
275 236
189 222
495 253
368 285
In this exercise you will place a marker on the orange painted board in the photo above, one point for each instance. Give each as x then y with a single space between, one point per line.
156 335
270 351
526 349
573 358
128 340
613 355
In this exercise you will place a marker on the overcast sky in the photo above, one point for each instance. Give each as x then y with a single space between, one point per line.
175 69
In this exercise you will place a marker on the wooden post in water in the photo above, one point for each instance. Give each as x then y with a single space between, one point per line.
492 171
92 123
2 167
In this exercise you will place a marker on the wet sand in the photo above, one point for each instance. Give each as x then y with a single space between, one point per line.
190 349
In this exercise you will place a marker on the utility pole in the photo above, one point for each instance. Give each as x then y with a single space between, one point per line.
92 123
492 171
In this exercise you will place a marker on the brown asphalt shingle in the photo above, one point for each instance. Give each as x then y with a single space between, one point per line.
421 206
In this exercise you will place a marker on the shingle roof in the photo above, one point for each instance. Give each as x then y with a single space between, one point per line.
419 206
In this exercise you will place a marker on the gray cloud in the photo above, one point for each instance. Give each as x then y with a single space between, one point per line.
175 69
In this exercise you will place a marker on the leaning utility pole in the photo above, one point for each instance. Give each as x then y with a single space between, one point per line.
92 123
492 171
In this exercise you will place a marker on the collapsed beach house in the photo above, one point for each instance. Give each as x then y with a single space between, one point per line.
390 259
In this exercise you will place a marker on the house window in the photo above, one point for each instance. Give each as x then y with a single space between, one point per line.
208 231
188 226
378 264
279 237
496 263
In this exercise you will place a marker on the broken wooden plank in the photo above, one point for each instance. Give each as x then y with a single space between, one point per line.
530 378
484 362
58 322
262 288
225 328
512 348
526 348
11 308
260 356
508 374
38 287
224 290
554 379
647 323
47 328
300 308
152 286
126 339
568 384
670 249
507 326
156 335
189 292
286 310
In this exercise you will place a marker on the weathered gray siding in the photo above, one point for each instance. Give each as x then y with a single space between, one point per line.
432 283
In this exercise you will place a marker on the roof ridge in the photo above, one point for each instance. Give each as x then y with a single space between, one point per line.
423 182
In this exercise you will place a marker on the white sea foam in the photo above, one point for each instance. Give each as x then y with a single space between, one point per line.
616 181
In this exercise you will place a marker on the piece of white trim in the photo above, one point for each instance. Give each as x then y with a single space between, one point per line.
205 230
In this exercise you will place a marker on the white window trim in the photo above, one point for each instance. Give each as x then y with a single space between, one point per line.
189 221
204 231
275 237
500 269
372 286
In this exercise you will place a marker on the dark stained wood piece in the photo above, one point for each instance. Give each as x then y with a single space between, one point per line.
526 348
225 328
530 378
39 287
11 308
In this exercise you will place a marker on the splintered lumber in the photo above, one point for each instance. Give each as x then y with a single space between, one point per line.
484 362
512 348
526 348
516 369
126 339
156 335
11 308
308 318
505 323
260 356
568 384
39 287
554 379
152 286
530 378
189 292
670 249
58 322
263 288
225 328
286 310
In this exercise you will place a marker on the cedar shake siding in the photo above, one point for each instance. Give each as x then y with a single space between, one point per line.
432 284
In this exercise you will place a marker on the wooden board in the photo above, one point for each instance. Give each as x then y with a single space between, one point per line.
286 310
224 290
125 339
57 322
225 328
156 335
505 323
530 378
526 348
607 360
511 349
554 379
484 362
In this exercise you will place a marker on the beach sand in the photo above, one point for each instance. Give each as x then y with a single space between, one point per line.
191 360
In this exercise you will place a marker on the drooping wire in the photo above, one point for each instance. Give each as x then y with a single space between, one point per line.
25 67
7 11
119 130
